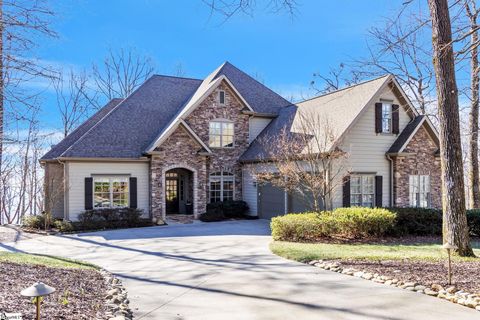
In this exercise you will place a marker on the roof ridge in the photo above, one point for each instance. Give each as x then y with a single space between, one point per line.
105 116
175 77
269 89
345 88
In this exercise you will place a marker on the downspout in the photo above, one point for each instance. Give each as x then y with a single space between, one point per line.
391 179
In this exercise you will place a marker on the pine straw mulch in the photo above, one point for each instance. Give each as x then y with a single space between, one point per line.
80 292
466 275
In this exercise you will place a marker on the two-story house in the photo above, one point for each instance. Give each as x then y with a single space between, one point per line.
176 144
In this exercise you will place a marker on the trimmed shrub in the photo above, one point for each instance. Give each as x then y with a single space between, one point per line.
229 209
63 225
110 218
212 216
345 222
416 221
34 222
473 220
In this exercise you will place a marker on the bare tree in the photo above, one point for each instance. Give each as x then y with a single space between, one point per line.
229 8
119 75
304 161
72 103
455 229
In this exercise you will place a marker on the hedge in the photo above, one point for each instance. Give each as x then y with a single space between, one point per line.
345 222
364 222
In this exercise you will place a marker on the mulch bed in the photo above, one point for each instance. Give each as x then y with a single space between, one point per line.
466 275
80 293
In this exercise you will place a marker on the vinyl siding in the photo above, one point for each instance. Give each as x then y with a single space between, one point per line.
77 171
256 126
367 149
249 191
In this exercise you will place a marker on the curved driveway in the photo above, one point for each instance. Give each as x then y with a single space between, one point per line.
225 271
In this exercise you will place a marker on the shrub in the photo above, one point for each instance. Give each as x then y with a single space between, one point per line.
345 222
110 218
229 209
417 221
211 216
34 222
63 225
473 220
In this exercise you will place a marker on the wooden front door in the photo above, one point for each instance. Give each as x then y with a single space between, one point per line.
171 194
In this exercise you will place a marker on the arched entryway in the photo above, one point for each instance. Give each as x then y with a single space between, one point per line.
179 192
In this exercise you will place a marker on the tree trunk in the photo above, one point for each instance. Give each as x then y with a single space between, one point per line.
1 82
455 229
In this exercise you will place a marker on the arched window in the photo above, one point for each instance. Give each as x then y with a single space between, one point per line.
221 186
221 134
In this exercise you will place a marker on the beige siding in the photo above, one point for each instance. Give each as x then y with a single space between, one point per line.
78 171
250 191
256 125
367 149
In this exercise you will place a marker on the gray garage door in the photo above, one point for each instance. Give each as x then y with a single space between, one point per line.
271 201
299 204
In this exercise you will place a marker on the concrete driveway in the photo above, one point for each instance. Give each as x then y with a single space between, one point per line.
226 271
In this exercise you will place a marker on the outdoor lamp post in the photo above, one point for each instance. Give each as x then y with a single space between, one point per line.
37 290
449 247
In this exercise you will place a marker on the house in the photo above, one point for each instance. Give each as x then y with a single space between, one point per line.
176 144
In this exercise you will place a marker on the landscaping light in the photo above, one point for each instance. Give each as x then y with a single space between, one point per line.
449 247
37 290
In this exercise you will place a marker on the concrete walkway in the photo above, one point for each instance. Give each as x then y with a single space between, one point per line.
226 271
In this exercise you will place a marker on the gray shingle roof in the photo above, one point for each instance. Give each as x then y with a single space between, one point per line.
404 136
62 146
125 130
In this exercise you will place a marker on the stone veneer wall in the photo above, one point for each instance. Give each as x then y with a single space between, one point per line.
422 161
222 158
180 150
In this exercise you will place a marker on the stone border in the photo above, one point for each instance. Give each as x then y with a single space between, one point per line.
451 293
116 299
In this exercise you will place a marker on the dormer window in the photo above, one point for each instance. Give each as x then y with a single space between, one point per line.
221 97
386 118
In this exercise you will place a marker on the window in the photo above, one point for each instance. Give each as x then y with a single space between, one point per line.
221 186
386 117
362 188
221 97
221 134
110 192
419 189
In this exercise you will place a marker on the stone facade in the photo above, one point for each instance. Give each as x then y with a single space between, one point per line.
180 150
420 160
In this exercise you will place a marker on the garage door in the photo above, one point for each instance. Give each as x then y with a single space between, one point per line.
297 203
271 201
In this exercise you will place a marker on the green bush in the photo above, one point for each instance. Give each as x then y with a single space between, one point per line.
345 222
229 209
212 216
63 225
34 222
110 218
417 222
473 220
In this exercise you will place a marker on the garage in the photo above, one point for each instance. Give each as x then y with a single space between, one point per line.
271 201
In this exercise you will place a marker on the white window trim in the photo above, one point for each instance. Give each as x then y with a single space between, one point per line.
222 121
110 181
391 118
221 176
224 97
413 202
361 188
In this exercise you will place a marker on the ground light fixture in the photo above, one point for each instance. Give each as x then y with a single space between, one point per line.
36 291
449 247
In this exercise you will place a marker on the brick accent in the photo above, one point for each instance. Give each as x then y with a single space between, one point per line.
420 161
180 150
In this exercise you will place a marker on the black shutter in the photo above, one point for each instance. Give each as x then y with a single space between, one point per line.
378 191
378 117
346 191
395 119
133 192
88 193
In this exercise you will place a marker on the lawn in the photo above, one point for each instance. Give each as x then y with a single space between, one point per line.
422 262
80 288
422 251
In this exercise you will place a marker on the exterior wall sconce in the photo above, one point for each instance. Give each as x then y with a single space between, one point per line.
37 290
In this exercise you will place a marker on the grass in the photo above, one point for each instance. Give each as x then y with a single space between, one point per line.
44 260
304 252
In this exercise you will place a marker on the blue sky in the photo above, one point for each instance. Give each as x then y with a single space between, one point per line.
282 51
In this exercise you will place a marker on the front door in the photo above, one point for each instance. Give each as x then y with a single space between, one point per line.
171 194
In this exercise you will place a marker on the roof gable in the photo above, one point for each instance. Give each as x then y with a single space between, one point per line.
409 132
